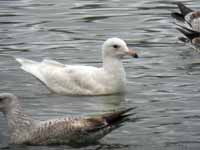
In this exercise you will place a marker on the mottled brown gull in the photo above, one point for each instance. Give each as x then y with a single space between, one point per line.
81 79
188 24
68 130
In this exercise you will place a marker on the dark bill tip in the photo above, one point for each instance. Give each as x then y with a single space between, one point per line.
135 55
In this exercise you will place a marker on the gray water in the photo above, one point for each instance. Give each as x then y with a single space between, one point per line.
163 83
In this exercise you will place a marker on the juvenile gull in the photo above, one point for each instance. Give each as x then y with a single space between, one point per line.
69 130
188 24
84 80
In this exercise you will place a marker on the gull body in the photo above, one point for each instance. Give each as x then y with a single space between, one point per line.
67 130
84 80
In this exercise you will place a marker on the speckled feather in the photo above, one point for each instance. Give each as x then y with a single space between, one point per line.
68 130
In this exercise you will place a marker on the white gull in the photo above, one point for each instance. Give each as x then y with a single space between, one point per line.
84 80
68 130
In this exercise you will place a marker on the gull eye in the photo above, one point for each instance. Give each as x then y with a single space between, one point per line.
116 46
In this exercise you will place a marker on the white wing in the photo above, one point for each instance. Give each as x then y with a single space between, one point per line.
66 79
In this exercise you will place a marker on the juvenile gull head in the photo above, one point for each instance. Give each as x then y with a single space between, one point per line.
7 102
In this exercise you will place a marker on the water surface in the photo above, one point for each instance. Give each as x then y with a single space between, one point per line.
163 83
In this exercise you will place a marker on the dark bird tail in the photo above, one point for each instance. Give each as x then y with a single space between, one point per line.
178 16
109 121
99 126
184 9
183 12
190 34
118 117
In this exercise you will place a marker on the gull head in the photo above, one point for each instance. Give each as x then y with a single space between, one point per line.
7 101
117 48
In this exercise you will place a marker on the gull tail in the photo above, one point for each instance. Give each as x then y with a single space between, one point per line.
99 126
111 121
190 34
183 12
118 118
178 16
28 65
31 67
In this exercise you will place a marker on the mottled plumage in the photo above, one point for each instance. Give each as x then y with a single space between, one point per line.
188 24
84 80
67 130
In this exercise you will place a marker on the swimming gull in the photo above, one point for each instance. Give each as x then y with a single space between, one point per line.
68 130
84 80
188 24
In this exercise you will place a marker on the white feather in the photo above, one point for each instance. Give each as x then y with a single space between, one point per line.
80 79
